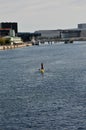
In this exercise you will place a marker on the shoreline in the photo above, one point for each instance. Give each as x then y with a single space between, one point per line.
9 47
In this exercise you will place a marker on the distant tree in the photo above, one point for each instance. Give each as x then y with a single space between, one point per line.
4 41
7 41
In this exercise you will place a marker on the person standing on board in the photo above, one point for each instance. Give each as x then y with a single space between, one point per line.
42 68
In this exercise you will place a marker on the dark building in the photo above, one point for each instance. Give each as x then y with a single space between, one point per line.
4 32
11 25
26 36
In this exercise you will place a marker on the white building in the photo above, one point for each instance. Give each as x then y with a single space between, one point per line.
16 40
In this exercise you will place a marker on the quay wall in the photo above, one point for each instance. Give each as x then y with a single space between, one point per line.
8 47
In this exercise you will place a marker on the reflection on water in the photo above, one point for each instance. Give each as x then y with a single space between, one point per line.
55 100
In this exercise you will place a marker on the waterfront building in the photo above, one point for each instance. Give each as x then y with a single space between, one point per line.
10 25
26 36
82 26
83 33
49 33
70 33
4 32
80 31
12 33
16 40
11 29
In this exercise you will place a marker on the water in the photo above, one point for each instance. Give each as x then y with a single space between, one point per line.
55 100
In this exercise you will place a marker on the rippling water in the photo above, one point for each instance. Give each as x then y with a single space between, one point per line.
53 101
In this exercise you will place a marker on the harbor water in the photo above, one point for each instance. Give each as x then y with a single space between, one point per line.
55 100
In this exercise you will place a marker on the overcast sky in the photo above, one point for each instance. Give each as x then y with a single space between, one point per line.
33 15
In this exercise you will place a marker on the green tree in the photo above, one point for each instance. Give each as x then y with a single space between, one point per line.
4 41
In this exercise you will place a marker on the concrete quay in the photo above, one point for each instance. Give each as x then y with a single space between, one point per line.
8 47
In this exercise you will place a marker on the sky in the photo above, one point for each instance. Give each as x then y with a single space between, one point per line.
34 15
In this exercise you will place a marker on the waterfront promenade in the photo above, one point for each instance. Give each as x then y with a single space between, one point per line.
6 47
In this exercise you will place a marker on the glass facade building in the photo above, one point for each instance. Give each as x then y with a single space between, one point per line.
11 25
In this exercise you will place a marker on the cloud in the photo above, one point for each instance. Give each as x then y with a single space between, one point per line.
43 14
